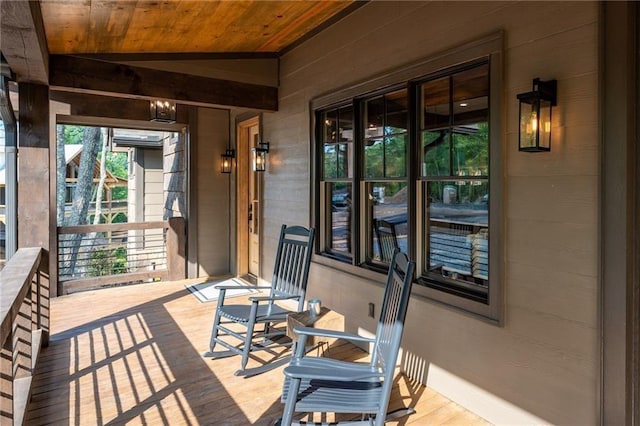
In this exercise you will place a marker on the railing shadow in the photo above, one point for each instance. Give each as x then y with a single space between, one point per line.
112 353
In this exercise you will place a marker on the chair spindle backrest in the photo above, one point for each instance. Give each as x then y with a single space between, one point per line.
293 257
387 239
392 317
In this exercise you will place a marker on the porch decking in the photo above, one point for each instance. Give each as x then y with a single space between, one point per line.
132 355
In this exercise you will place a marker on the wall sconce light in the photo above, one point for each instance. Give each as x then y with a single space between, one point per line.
162 111
260 156
535 116
227 160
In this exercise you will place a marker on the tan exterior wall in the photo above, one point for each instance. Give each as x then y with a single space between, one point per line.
212 192
542 365
153 188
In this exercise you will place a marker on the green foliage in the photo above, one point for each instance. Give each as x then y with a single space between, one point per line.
386 157
120 218
469 156
118 164
73 134
471 152
119 193
108 262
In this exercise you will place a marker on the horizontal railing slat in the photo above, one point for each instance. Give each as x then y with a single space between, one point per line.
97 282
133 226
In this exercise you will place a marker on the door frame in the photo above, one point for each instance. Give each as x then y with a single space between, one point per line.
243 162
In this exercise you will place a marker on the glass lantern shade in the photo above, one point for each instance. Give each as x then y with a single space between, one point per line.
162 111
227 161
534 133
260 156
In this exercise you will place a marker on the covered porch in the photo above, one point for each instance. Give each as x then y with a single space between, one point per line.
135 358
364 111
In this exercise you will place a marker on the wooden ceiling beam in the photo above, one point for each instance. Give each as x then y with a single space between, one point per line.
23 42
86 105
74 74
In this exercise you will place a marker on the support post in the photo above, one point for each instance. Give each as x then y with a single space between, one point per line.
176 249
36 218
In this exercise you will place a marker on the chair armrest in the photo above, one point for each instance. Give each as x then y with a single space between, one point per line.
240 287
342 375
310 331
267 298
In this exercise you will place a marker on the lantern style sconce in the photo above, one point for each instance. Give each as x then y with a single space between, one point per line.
163 111
535 116
260 156
227 160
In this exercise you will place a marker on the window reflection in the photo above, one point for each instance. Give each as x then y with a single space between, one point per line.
458 218
340 217
387 201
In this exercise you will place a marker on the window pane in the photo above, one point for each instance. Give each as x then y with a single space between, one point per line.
329 120
471 96
471 150
344 158
395 164
436 153
374 118
387 201
396 112
457 248
330 161
435 103
374 158
345 129
339 234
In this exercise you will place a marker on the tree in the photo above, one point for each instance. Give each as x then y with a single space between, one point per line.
61 174
103 177
84 188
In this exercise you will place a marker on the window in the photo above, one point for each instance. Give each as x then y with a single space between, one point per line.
417 166
384 134
454 146
336 136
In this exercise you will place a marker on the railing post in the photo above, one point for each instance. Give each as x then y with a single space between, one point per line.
176 249
6 381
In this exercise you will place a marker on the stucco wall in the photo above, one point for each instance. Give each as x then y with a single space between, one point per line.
542 365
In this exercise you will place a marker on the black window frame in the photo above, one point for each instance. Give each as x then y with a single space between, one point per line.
489 50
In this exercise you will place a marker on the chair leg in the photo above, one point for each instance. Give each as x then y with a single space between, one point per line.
248 340
290 404
214 330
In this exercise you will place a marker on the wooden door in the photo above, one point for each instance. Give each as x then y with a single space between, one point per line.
249 204
255 210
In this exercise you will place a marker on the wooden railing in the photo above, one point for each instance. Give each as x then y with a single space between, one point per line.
94 256
24 312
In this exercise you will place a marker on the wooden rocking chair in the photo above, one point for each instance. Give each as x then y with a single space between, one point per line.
289 282
324 385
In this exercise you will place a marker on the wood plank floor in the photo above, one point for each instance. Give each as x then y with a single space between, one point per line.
132 355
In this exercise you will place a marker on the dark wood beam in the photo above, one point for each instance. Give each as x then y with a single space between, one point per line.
83 104
74 74
23 42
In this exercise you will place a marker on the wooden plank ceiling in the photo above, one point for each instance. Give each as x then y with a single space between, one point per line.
179 26
41 40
